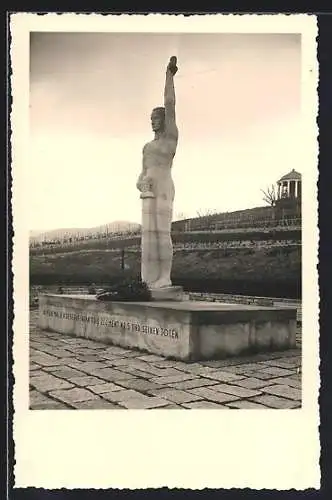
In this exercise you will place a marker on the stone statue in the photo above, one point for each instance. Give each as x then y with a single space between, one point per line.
157 190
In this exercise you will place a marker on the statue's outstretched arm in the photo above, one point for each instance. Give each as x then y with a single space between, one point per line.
169 100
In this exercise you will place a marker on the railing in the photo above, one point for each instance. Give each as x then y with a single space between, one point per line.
189 246
250 300
181 226
229 225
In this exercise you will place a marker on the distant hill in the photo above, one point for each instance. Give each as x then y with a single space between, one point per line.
112 227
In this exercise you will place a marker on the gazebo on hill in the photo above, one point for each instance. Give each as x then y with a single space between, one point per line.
289 186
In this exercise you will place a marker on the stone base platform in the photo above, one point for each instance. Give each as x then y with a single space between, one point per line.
185 330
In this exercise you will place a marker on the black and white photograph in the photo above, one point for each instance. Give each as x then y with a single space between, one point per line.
165 204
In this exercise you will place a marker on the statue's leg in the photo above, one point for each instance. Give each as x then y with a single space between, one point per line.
165 247
150 266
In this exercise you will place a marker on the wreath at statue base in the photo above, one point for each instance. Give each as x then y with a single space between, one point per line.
131 290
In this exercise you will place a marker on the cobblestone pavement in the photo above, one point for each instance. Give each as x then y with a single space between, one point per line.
74 373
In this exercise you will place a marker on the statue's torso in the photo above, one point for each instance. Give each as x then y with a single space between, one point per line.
157 160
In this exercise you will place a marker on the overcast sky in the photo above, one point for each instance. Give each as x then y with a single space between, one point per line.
238 112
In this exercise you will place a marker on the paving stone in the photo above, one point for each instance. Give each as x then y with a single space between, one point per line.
284 363
260 375
144 403
63 353
149 358
198 369
105 387
253 383
42 349
276 372
275 402
204 404
118 362
139 384
45 359
37 373
46 342
85 381
89 357
90 344
83 351
96 404
74 363
35 345
36 397
289 353
171 379
124 395
51 335
75 395
112 357
67 373
284 391
211 395
175 395
223 376
172 407
196 382
111 374
50 404
115 350
134 372
218 363
164 372
129 354
246 405
241 360
144 367
244 368
292 382
295 376
53 369
292 359
48 382
107 363
89 366
235 369
170 363
33 367
157 372
69 340
236 391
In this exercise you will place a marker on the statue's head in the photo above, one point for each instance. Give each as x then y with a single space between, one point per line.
158 119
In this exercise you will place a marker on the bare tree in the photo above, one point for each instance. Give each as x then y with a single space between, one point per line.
270 195
205 212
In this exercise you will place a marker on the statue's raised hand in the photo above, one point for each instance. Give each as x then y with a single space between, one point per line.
172 67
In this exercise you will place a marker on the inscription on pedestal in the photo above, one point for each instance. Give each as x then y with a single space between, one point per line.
113 323
185 330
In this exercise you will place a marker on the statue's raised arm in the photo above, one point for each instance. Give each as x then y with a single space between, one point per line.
171 130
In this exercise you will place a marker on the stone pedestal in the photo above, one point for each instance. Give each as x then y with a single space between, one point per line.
168 293
185 330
